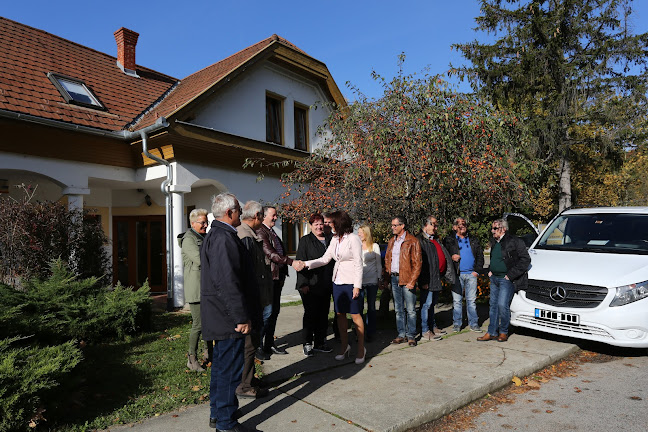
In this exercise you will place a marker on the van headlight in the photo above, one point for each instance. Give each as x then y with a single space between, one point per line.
630 293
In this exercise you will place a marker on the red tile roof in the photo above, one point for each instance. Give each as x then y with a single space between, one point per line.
198 82
28 54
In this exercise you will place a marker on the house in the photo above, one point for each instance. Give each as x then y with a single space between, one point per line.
141 148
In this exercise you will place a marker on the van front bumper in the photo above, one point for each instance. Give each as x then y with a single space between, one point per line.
623 326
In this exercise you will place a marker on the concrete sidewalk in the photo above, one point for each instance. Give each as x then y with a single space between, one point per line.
398 387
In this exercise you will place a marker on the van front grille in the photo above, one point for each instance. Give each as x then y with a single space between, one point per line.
558 294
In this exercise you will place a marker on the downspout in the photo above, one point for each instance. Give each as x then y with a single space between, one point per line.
164 187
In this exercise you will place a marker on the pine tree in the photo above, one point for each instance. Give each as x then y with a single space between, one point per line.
563 65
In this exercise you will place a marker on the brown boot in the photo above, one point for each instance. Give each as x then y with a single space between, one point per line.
193 364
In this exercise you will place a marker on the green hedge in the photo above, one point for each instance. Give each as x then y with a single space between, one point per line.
42 327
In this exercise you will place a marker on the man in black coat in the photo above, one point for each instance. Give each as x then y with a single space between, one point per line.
436 264
226 288
509 265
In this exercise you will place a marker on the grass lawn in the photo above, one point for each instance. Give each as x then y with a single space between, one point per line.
123 382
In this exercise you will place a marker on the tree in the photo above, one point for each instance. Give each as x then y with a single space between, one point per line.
418 149
563 64
33 233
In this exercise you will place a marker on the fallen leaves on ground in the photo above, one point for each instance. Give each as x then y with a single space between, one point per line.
463 418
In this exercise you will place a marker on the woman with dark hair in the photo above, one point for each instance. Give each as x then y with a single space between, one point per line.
346 250
314 286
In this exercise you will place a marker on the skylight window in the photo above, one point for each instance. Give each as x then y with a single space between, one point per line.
75 91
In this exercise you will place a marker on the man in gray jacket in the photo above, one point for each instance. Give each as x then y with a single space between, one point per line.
190 243
252 218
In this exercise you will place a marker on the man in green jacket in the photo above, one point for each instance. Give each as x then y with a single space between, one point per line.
509 265
190 242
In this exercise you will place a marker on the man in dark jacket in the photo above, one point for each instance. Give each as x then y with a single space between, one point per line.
468 259
436 264
251 218
276 252
509 265
226 287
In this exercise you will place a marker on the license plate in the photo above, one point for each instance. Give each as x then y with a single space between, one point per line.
557 316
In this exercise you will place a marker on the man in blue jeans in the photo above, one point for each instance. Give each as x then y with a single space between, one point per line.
468 259
436 265
227 294
402 269
509 265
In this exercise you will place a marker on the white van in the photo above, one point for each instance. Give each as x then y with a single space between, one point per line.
589 277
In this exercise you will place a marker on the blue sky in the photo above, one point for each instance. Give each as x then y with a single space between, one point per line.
352 37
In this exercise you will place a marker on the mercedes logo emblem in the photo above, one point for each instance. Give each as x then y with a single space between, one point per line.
558 294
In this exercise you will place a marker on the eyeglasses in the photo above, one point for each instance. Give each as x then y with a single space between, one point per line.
396 225
496 228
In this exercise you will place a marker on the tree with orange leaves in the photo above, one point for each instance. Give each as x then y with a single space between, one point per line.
419 149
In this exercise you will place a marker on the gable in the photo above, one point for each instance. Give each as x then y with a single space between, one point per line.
240 108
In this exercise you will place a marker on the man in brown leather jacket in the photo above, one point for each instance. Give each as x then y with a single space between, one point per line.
275 252
402 268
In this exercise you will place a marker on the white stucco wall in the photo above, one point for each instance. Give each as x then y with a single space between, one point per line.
240 107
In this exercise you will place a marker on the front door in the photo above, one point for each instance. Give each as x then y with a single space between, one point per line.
139 251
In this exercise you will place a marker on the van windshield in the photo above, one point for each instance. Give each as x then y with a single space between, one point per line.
601 232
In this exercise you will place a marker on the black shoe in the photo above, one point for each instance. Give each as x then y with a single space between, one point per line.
308 350
322 348
276 350
238 428
256 382
262 355
237 415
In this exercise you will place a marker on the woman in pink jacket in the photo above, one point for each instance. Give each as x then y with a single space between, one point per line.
346 250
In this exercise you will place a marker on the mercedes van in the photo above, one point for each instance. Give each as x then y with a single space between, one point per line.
589 277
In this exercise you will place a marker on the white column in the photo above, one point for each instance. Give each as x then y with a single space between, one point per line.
75 197
179 226
75 203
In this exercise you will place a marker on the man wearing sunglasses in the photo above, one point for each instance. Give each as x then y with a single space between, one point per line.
509 265
468 260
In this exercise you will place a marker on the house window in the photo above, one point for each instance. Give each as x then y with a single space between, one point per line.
274 119
292 232
75 91
301 127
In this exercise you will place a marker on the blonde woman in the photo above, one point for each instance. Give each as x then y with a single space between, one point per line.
371 271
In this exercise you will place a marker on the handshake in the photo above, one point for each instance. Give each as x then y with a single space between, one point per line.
298 265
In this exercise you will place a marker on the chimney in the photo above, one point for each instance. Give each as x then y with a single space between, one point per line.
126 40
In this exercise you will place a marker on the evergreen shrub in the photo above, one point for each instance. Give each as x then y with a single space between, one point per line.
44 324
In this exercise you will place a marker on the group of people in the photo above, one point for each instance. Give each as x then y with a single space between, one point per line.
235 272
